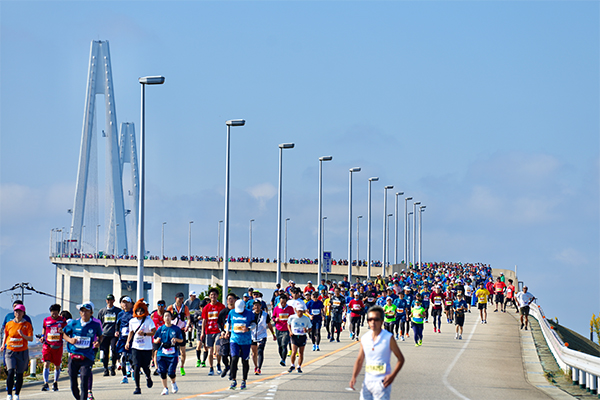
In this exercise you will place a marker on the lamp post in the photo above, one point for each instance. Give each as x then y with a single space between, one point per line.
406 229
421 209
230 123
373 179
82 238
190 241
415 204
396 229
323 242
97 235
147 80
219 240
385 223
358 239
408 236
285 257
250 245
162 242
388 240
281 147
320 230
355 169
62 241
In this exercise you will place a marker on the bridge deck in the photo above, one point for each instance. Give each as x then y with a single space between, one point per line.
487 363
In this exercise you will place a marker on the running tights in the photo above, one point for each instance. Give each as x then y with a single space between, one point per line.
355 325
315 333
418 329
328 326
336 327
136 374
10 381
260 353
437 319
234 368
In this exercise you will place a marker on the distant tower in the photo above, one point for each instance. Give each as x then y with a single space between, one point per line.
100 82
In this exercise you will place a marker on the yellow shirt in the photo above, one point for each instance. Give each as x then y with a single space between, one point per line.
482 295
327 306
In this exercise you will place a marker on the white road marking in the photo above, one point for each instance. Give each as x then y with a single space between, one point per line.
449 369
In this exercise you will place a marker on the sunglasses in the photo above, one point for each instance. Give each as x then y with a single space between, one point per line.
374 319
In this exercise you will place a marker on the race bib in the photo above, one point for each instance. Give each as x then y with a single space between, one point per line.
370 299
315 311
389 313
448 302
140 339
16 342
53 337
298 331
82 342
337 303
375 369
238 328
400 311
110 318
284 316
437 301
124 331
169 352
213 315
356 307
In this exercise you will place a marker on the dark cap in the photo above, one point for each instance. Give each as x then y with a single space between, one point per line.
110 297
180 294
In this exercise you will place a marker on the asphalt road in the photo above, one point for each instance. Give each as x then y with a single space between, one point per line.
486 363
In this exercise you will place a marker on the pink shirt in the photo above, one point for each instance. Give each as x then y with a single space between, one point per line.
281 315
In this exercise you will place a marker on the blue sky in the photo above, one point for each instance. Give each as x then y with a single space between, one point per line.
487 112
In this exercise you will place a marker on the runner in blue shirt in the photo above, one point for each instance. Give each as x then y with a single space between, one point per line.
80 334
168 336
314 308
122 333
401 320
460 307
239 323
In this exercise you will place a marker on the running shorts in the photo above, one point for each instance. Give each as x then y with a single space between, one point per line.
460 321
54 356
211 339
524 310
240 350
298 340
436 311
17 360
499 298
482 306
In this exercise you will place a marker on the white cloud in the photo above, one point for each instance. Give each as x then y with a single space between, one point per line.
570 256
262 192
20 202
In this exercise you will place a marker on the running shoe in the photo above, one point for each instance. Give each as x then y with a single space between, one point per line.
137 391
330 340
396 337
211 372
338 340
434 330
112 371
55 387
219 371
292 368
149 382
155 372
258 371
174 387
182 371
495 310
314 347
402 338
106 373
439 331
45 387
233 385
90 395
282 363
289 353
203 364
420 342
456 336
351 335
9 397
459 337
198 364
299 370
243 385
124 380
164 392
224 372
485 322
318 348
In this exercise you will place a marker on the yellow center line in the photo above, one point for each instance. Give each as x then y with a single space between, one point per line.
266 378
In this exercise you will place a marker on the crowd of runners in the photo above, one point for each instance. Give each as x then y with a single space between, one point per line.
130 340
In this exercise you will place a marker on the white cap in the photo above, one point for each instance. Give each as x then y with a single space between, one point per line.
192 292
309 282
299 306
240 306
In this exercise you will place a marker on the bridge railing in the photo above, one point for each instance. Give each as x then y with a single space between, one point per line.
584 368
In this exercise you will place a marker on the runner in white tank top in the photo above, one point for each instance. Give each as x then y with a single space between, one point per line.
377 345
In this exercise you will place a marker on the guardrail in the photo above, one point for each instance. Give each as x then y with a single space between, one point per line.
584 368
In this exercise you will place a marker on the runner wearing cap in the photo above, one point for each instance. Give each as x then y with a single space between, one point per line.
80 334
167 337
338 305
314 308
402 308
298 326
389 311
309 287
108 317
193 304
17 332
357 309
52 348
281 314
240 322
510 295
417 316
158 319
122 333
524 299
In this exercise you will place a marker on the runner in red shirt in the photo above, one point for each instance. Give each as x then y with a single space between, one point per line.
356 307
449 304
499 288
510 296
437 301
52 348
210 327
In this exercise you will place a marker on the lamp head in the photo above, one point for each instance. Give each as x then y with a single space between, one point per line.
408 198
235 122
374 179
152 80
416 203
399 193
389 187
355 169
326 158
286 146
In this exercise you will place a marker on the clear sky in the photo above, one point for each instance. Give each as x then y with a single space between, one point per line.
487 112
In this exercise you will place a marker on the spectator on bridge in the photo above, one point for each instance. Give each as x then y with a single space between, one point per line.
17 332
524 299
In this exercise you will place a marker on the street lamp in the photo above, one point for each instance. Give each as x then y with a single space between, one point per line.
355 169
219 240
373 179
406 230
421 209
82 238
415 204
358 239
320 230
162 242
323 242
147 80
396 229
285 257
408 236
190 241
281 147
97 235
250 252
388 240
385 222
230 123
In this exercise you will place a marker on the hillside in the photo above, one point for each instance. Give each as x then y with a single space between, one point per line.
575 340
